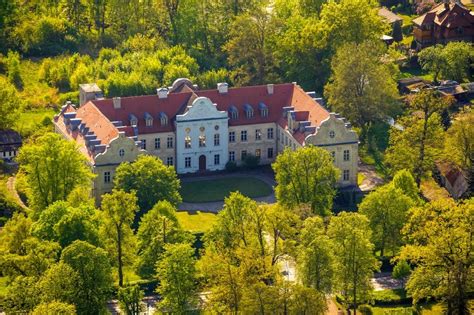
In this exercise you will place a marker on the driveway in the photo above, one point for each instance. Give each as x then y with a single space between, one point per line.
216 206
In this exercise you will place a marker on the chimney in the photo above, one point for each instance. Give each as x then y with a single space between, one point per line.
162 93
223 88
270 88
117 102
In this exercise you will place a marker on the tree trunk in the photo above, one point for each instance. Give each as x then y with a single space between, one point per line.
119 255
421 156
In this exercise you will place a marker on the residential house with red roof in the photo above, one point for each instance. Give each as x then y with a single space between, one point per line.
446 22
201 130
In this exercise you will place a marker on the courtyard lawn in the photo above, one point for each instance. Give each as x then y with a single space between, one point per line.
218 189
30 120
196 222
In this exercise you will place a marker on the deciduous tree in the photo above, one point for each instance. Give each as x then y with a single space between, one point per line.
355 263
315 257
386 208
361 87
10 104
176 272
440 235
119 210
151 179
158 227
53 167
95 276
306 176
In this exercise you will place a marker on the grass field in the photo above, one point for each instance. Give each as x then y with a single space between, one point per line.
31 119
196 222
218 189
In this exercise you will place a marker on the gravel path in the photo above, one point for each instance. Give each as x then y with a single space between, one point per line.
371 178
216 206
11 188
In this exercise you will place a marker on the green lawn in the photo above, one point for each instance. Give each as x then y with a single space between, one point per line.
30 120
196 222
218 189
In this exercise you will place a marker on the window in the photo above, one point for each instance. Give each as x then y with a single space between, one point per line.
187 142
270 153
217 159
243 135
332 134
144 144
187 162
333 155
121 152
248 111
345 175
202 141
163 119
169 161
148 120
232 136
263 109
346 155
157 143
270 133
282 140
258 152
258 134
169 142
106 177
231 156
234 113
217 140
243 154
286 140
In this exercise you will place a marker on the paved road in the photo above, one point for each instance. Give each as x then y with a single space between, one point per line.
216 206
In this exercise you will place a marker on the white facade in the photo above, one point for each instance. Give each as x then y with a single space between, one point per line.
201 138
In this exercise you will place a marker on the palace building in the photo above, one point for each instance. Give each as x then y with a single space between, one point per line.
201 130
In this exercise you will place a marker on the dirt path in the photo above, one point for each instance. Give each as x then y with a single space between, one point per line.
371 178
11 188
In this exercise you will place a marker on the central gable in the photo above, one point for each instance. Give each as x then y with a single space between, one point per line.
201 109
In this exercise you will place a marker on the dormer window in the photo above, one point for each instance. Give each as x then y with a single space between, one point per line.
263 109
163 119
233 112
148 120
248 111
133 120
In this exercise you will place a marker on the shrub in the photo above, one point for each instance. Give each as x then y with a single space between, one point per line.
251 161
231 166
365 310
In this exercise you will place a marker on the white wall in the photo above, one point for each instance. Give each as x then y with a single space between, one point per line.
201 114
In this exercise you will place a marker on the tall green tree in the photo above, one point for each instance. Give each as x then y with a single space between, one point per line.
361 88
151 179
10 104
450 62
386 208
306 176
440 245
355 263
119 208
460 139
95 276
176 272
158 227
315 257
59 283
404 181
248 48
54 167
62 223
54 308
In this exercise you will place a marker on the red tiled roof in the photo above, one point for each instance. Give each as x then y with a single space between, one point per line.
98 115
449 15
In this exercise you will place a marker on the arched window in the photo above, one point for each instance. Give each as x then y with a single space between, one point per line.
263 109
248 111
148 120
233 112
133 120
163 119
